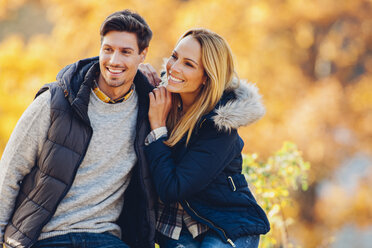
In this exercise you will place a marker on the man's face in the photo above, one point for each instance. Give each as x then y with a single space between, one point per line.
119 58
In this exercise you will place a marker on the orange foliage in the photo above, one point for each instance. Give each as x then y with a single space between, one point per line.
311 60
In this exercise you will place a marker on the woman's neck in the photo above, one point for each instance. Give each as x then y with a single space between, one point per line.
187 101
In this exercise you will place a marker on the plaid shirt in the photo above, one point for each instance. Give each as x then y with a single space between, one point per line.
169 222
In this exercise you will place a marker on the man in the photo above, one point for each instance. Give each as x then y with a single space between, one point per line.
79 146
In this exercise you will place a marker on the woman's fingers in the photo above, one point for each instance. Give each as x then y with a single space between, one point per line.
159 107
156 94
160 94
152 97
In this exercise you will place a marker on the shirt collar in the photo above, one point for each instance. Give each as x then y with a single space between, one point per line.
104 98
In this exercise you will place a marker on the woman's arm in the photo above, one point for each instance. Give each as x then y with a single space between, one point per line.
206 157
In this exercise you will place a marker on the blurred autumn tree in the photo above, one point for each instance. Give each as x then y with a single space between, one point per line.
312 61
272 181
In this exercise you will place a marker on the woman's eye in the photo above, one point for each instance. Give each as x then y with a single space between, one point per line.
173 56
189 64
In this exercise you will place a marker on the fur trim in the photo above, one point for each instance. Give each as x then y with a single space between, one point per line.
242 111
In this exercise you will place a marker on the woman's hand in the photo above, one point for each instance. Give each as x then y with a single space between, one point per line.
160 105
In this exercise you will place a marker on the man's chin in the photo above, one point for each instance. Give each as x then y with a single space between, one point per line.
114 83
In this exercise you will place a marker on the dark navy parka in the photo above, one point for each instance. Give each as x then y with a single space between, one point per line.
205 176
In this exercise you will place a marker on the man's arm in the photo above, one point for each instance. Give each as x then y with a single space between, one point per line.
21 152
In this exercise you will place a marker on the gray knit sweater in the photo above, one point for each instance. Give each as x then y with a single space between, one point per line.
95 199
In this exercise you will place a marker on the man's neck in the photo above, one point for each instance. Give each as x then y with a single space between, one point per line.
113 92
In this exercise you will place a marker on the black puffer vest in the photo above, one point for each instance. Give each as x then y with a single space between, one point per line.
63 151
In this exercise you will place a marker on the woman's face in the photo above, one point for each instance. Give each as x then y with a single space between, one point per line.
185 70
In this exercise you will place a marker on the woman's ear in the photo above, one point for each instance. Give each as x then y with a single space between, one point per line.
205 77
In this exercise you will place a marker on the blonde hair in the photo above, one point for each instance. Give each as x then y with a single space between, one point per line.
219 71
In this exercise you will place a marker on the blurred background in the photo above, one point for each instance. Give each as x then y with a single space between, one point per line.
311 59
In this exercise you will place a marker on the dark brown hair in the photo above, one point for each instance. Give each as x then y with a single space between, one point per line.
131 22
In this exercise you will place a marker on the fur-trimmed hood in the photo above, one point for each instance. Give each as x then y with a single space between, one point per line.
240 106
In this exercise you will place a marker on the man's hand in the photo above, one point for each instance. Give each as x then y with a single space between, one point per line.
150 73
160 105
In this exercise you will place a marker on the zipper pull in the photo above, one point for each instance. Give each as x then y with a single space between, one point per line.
231 243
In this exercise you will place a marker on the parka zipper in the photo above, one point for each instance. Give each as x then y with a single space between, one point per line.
219 228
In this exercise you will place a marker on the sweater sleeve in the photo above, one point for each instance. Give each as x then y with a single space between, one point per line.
21 152
205 158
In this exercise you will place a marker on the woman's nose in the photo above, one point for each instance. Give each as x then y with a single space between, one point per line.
175 67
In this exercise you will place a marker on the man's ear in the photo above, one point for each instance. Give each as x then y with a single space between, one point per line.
143 54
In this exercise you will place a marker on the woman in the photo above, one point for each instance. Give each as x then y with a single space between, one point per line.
194 150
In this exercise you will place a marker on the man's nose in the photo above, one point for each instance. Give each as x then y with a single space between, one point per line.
115 58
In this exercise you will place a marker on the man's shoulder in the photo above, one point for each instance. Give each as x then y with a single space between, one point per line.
55 94
48 87
143 86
